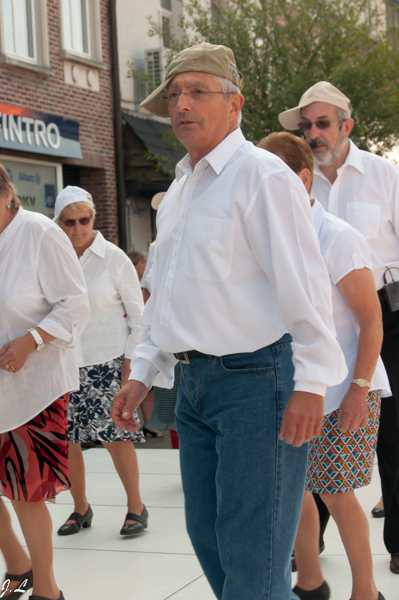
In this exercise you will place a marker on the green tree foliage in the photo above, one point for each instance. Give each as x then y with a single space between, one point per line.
284 46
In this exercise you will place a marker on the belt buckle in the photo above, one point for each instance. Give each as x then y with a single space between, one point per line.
186 360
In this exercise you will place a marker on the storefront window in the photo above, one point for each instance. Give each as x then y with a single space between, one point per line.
36 184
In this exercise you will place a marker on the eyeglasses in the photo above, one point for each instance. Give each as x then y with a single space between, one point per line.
71 222
194 97
320 124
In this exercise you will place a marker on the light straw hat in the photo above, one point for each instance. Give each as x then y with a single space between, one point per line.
323 91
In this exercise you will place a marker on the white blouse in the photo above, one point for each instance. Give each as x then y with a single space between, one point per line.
344 250
42 285
116 304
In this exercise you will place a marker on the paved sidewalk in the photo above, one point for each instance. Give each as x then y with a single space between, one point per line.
160 564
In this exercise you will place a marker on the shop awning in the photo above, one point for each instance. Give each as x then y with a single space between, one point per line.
158 138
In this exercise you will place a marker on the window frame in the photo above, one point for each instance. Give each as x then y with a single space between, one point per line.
94 57
41 62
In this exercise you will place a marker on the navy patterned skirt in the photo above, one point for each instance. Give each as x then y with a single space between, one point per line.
89 411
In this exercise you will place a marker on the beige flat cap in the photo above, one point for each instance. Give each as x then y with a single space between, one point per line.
205 58
323 91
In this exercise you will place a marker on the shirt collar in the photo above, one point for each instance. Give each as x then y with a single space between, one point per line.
318 213
217 158
354 159
98 246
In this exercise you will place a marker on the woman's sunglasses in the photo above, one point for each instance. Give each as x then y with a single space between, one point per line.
71 222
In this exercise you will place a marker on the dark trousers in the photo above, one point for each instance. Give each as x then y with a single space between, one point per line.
388 435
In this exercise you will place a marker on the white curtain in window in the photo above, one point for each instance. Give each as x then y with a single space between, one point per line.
18 27
75 25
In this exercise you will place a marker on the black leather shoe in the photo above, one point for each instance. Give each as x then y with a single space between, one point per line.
380 596
132 528
43 598
394 564
25 583
320 593
81 521
377 513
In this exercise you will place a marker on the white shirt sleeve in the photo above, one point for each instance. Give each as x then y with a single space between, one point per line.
152 366
285 244
349 252
62 281
132 298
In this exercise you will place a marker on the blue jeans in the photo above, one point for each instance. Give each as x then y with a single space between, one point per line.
243 487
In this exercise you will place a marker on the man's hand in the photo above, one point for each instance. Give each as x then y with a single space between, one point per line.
125 402
13 355
302 418
354 409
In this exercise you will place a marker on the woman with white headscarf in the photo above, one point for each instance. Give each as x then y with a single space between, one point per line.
113 331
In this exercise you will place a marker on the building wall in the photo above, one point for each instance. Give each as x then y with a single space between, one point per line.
93 110
133 40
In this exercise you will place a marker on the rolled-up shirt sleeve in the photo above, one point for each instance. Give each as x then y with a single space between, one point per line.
63 285
285 245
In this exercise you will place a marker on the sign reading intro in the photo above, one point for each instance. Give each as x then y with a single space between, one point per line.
33 131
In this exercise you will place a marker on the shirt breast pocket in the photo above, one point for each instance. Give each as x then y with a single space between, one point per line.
364 217
209 249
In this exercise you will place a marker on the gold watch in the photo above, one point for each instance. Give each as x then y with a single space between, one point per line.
361 382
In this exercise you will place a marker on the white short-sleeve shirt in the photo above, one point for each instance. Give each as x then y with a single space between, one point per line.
344 250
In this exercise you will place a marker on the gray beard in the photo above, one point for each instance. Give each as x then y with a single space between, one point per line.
328 157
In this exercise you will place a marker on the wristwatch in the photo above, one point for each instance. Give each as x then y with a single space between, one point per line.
38 339
361 382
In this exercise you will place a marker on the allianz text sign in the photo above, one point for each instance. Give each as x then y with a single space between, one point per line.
33 131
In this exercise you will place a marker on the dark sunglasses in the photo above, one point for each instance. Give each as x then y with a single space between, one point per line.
320 124
71 222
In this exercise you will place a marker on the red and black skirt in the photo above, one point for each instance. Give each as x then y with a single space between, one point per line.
34 457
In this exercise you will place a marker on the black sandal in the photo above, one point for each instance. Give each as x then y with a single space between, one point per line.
81 521
132 528
26 580
43 598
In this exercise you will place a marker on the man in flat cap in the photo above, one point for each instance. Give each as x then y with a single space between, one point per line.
241 298
363 189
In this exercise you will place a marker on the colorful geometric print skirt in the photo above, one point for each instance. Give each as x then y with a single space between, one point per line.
89 412
34 457
340 462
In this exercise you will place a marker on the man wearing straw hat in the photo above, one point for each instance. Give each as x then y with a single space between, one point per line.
362 189
242 299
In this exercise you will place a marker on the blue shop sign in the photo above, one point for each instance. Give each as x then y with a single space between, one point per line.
33 131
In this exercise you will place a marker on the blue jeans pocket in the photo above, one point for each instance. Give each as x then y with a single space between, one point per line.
260 361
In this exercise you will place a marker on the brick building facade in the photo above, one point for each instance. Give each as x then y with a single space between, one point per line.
56 72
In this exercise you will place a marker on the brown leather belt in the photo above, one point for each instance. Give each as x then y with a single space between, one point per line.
185 357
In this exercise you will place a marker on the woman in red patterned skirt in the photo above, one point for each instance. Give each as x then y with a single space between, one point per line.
43 309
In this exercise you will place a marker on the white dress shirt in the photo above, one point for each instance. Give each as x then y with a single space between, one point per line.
366 195
237 265
344 250
42 285
116 304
